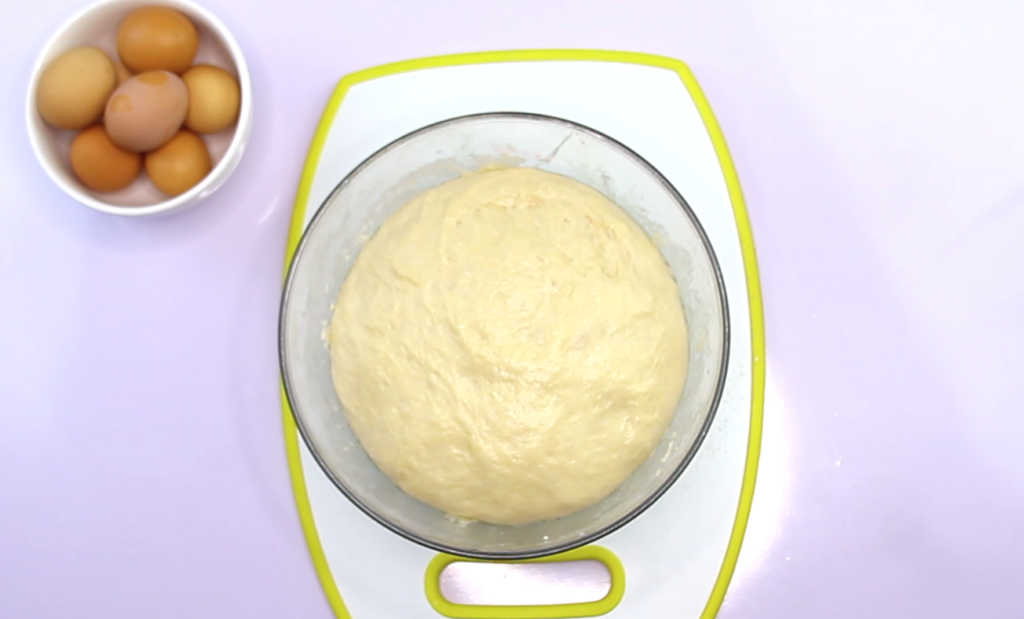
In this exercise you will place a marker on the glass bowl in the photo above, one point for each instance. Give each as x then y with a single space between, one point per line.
426 158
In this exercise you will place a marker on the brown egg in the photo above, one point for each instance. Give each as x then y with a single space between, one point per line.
73 89
157 38
213 99
179 164
123 74
145 111
100 164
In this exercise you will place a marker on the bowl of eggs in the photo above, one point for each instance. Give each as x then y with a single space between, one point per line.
139 109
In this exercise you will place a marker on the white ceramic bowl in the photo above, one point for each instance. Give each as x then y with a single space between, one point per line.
97 26
427 158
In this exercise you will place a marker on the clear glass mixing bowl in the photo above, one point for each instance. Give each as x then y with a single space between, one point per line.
427 158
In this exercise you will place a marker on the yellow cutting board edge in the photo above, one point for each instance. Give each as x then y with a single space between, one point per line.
749 261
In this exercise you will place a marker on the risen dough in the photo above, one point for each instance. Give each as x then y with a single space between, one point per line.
509 346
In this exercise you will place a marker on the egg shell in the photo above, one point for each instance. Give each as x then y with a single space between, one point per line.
213 99
157 38
123 74
180 164
100 164
147 110
73 89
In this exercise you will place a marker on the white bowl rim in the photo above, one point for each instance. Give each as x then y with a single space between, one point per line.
214 177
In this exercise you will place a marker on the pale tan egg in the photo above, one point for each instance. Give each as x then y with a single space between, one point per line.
147 110
157 38
100 164
73 89
180 164
123 74
213 99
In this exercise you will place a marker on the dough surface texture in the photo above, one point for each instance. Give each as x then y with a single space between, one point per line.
509 346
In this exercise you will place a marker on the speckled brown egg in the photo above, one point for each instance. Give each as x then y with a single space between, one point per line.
146 110
157 38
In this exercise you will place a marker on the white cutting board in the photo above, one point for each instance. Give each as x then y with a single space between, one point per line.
677 556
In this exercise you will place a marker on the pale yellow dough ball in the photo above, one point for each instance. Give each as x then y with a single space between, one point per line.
509 346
